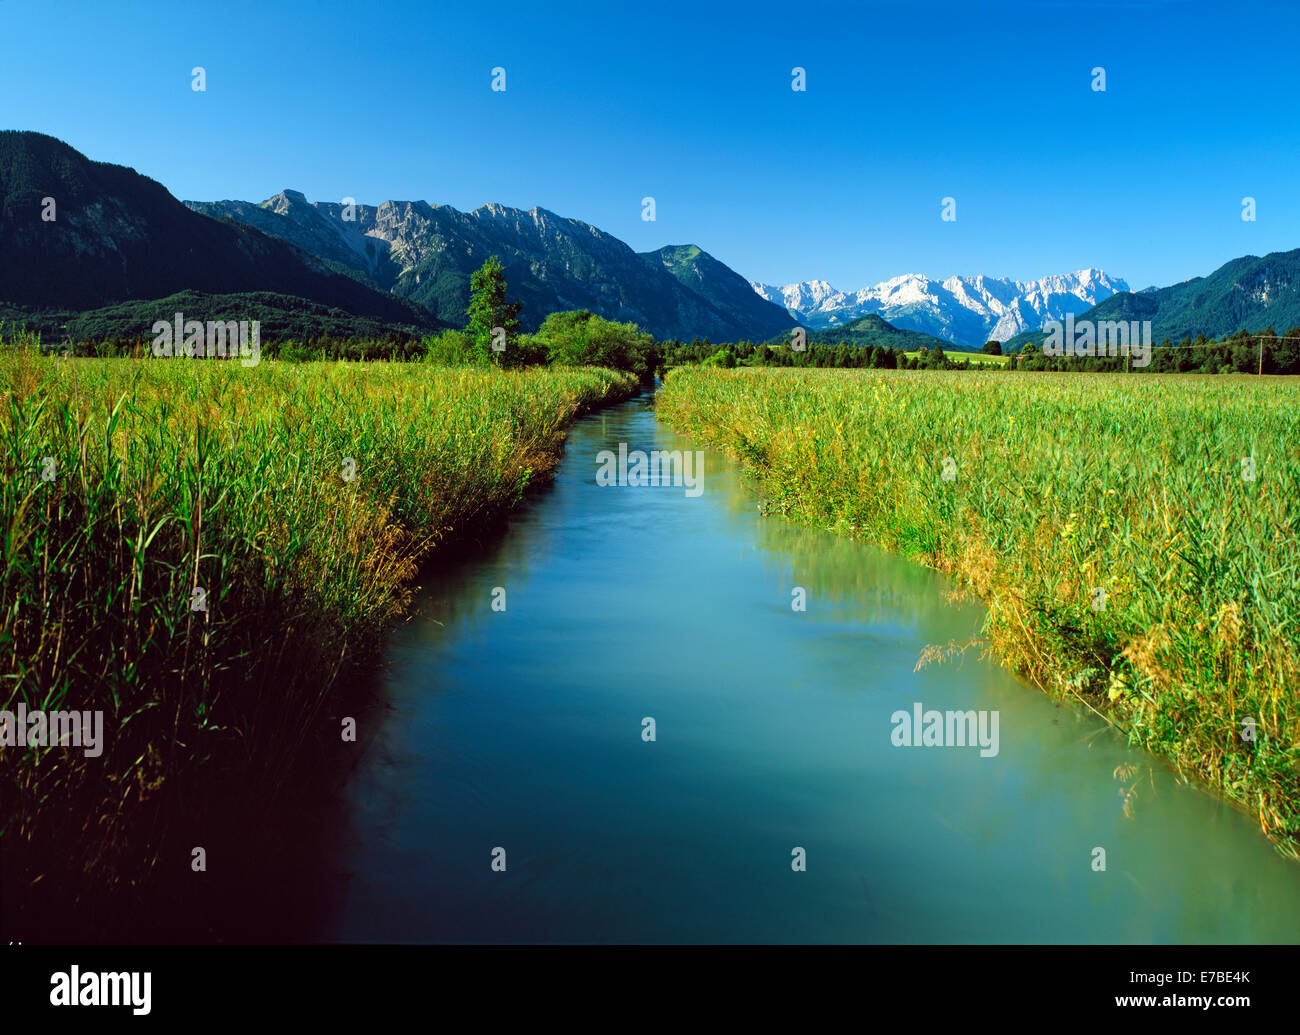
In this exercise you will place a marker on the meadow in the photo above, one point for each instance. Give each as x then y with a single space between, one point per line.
975 359
1136 540
200 550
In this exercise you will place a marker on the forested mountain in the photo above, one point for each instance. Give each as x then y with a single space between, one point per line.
870 330
426 253
1248 293
108 235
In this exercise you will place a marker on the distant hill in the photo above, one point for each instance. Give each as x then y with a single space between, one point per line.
722 286
426 253
1248 293
872 330
120 237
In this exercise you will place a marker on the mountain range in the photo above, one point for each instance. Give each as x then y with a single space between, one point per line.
426 253
114 241
88 249
109 235
1249 293
966 311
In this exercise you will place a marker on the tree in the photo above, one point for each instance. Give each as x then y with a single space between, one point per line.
580 338
1031 358
489 314
724 357
1288 352
992 347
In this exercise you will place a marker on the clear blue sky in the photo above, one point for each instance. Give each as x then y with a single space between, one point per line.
690 102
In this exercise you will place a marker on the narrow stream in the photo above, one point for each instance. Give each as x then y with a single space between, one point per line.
522 729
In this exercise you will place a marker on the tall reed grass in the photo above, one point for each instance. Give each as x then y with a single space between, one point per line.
176 475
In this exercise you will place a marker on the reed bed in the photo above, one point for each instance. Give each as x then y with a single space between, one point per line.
299 500
1137 540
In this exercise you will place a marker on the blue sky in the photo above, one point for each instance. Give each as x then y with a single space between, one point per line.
906 103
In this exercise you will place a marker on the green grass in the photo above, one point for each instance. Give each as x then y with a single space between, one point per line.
982 359
1065 485
177 474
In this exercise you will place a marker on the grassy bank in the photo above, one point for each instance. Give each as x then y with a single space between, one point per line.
293 502
1125 560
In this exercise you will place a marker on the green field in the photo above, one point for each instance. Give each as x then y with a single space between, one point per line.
294 503
1129 558
982 359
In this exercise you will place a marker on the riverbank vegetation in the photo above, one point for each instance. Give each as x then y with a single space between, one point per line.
1135 539
199 549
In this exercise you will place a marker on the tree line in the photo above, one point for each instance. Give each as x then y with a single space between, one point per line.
1245 352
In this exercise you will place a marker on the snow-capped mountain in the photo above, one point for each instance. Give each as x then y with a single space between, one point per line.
964 310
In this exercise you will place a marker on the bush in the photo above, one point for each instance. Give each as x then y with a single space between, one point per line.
450 349
580 338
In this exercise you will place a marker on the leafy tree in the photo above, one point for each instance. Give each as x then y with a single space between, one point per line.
992 347
1031 358
1288 352
488 311
580 338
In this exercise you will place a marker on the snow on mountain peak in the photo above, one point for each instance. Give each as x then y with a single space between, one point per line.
964 310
